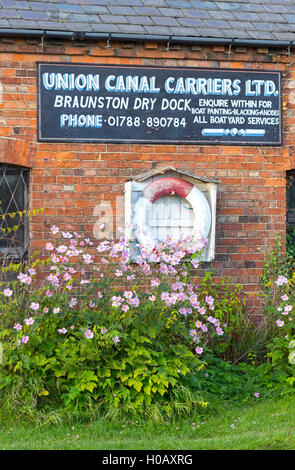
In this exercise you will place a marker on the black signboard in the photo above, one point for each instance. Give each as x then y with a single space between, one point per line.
101 103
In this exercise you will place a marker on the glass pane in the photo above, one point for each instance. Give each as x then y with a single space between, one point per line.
13 198
291 192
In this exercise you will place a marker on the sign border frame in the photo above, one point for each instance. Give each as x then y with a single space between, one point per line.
155 142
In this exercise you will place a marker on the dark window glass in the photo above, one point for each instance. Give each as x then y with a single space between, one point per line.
14 197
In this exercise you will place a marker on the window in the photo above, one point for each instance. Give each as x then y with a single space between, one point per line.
14 198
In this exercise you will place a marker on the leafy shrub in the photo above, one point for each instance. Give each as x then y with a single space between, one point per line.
290 249
240 334
283 325
91 327
86 329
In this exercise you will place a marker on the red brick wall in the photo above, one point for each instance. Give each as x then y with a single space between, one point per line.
70 179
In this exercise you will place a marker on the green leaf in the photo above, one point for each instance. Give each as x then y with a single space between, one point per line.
137 385
88 386
147 389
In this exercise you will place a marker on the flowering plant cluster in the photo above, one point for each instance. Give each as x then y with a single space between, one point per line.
88 322
282 344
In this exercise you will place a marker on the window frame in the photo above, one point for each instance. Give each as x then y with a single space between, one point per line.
208 188
17 253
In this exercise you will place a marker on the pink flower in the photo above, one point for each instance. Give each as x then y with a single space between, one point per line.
164 296
56 310
55 259
176 286
256 394
49 246
66 235
25 339
73 302
195 263
281 280
183 311
17 326
280 323
29 321
88 334
199 350
7 292
62 330
62 249
166 257
125 308
219 331
34 306
193 299
24 278
128 294
135 302
54 229
116 339
67 276
164 268
103 330
87 259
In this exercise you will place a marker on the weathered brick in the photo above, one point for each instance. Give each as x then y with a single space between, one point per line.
69 179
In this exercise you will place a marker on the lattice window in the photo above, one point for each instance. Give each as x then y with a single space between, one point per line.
14 198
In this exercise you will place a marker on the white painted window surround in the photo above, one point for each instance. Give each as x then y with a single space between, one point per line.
170 215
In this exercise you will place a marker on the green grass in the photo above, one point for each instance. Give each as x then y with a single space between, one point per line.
261 425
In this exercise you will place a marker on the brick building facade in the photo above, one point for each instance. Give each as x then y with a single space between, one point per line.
70 179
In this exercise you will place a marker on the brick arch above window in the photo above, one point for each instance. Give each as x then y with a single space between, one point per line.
17 152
